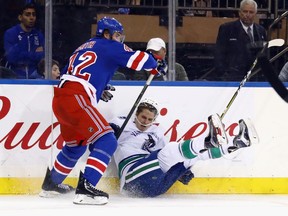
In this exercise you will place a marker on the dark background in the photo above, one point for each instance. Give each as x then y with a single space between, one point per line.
72 27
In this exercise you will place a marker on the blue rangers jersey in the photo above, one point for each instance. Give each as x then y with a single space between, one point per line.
94 63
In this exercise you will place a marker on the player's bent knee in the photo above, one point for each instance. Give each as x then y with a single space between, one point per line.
107 143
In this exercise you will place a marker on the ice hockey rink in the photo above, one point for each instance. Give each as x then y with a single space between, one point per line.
183 204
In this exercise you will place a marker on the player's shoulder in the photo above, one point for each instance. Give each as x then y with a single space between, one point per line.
120 46
116 44
156 127
158 130
118 119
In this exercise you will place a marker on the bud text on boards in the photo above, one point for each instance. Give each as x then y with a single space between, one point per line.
43 142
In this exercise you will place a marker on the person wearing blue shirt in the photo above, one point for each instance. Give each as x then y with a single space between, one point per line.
24 45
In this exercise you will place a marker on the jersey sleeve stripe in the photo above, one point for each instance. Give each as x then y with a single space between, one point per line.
137 60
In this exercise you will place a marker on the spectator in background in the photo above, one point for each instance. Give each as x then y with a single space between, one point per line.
199 4
24 45
6 73
224 4
55 70
119 76
157 47
235 51
127 10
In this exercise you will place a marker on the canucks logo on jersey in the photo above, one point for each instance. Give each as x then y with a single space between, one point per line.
149 143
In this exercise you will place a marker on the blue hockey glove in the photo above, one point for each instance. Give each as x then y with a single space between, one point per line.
162 67
106 95
186 177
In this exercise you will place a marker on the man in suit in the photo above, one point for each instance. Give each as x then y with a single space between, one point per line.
235 50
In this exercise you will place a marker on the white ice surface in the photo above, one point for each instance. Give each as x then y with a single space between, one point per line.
176 205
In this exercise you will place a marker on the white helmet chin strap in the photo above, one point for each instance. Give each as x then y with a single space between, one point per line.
144 125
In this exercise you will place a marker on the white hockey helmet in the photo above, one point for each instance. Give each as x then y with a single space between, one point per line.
151 104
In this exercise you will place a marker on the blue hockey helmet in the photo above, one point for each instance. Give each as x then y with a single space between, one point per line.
110 24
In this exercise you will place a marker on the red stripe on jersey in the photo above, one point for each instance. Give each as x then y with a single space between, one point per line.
97 164
154 72
137 60
61 168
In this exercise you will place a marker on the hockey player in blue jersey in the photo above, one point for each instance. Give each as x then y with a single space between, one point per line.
148 165
82 126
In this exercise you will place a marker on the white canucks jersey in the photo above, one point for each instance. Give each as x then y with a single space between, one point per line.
133 142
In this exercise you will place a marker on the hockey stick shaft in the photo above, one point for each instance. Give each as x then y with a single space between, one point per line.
276 21
247 76
274 58
150 78
273 79
272 43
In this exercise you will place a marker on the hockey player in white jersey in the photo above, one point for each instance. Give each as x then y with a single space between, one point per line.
148 165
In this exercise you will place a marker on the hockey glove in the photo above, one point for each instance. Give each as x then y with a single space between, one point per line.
161 65
161 68
106 95
115 127
186 177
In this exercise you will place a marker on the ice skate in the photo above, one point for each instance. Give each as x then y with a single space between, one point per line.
50 189
87 194
217 135
247 134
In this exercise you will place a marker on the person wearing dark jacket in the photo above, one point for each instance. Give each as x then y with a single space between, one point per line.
24 45
236 48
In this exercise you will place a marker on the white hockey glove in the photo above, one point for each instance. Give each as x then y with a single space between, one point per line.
106 95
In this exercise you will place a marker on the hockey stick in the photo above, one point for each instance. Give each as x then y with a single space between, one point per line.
276 21
268 70
271 43
272 77
274 58
150 78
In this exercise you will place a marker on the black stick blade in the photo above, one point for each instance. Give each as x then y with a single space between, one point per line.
268 70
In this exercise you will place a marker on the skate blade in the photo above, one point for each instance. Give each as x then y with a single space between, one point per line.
48 194
221 137
82 199
253 135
